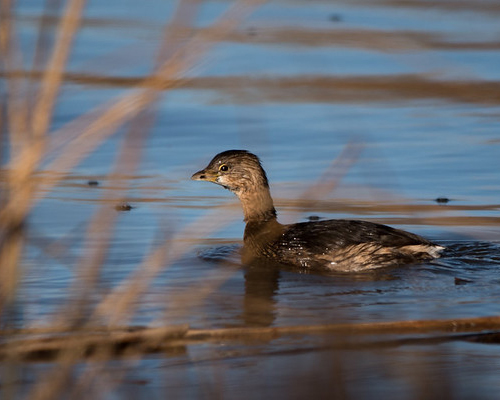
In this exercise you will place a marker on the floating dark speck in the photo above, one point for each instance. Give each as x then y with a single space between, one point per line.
442 200
93 183
123 207
335 18
461 281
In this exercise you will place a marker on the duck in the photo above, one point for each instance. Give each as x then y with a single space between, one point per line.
337 245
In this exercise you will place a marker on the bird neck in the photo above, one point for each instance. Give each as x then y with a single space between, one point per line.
257 205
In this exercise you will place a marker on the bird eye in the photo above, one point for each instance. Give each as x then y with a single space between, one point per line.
223 168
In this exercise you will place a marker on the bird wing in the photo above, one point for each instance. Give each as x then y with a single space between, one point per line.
338 233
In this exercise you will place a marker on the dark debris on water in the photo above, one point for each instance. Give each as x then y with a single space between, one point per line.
123 207
442 200
462 281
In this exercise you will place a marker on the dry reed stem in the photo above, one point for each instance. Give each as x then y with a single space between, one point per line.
109 117
122 110
25 163
476 324
100 229
183 302
331 177
21 187
51 8
181 26
54 70
90 343
11 60
99 234
118 306
27 138
158 339
42 50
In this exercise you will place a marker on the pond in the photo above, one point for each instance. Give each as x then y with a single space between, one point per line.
403 99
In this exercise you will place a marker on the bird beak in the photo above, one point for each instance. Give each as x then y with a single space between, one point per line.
204 175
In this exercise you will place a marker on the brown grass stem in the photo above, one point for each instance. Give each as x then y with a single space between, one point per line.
87 137
116 308
157 339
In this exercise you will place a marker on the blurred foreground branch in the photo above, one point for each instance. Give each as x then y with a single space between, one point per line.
47 345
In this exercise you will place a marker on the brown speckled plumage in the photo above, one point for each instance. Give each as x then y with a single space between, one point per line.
337 245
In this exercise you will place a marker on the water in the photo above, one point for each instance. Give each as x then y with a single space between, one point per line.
415 86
